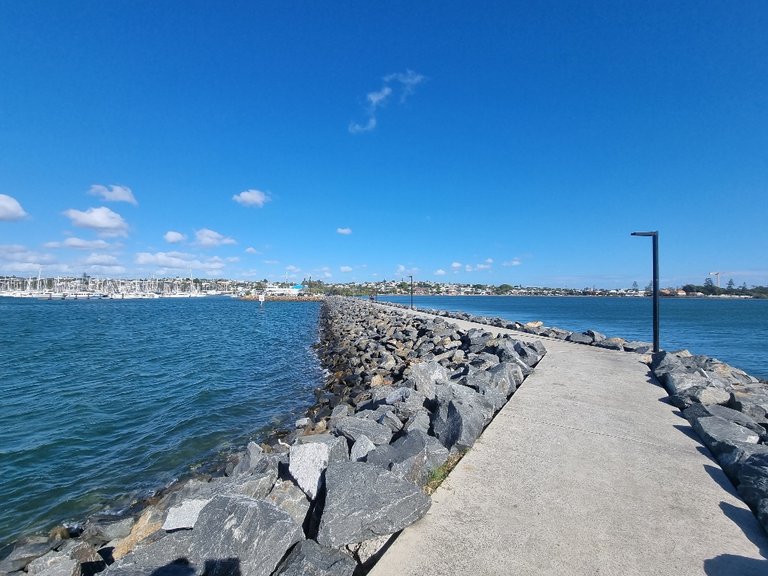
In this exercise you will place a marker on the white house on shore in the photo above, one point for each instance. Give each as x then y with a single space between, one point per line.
273 290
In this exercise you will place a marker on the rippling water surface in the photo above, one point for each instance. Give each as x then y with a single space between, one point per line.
734 331
104 401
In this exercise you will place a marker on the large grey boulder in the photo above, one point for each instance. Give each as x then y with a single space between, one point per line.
409 402
505 350
680 380
253 453
727 414
24 553
732 458
425 375
99 531
58 566
361 448
255 532
753 402
460 416
497 383
412 457
363 501
580 338
308 558
419 421
168 556
184 515
54 563
718 434
753 485
613 343
530 352
289 497
311 457
352 427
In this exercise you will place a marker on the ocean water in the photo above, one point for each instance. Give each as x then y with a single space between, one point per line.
734 331
103 402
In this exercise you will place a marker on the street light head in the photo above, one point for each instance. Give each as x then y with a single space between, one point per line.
655 233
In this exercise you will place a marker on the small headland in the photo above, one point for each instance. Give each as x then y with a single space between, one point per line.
404 398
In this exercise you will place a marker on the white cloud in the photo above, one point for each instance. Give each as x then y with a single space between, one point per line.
107 270
513 262
455 265
489 260
403 270
113 193
18 258
173 237
345 269
344 231
207 237
79 244
101 219
355 128
10 209
251 197
292 268
271 262
379 98
483 267
468 268
404 82
178 261
439 272
101 259
251 250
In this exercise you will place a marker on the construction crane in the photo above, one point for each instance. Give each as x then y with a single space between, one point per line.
717 275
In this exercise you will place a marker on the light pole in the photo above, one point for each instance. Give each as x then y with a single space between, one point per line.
655 236
411 277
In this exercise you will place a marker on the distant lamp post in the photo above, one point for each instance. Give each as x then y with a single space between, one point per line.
411 277
655 236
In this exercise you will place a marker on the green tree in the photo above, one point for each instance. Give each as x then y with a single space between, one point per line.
730 285
709 286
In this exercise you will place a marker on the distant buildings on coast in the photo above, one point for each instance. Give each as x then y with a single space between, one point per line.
86 287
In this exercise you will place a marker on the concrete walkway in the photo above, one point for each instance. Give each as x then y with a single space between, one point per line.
586 470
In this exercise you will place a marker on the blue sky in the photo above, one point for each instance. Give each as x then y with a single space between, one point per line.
493 142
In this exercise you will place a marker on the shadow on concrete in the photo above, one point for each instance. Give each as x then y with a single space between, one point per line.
730 564
717 474
688 431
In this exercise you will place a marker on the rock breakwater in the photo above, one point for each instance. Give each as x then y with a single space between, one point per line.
537 328
728 408
403 393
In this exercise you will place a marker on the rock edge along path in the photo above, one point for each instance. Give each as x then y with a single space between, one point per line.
587 470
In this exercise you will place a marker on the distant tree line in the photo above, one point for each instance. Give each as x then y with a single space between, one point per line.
709 289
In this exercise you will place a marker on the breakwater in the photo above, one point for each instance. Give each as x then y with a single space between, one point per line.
403 394
727 407
711 326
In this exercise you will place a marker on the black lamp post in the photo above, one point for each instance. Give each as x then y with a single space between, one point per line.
411 277
655 236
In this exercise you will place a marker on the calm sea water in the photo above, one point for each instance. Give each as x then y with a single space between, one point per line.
105 401
734 331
